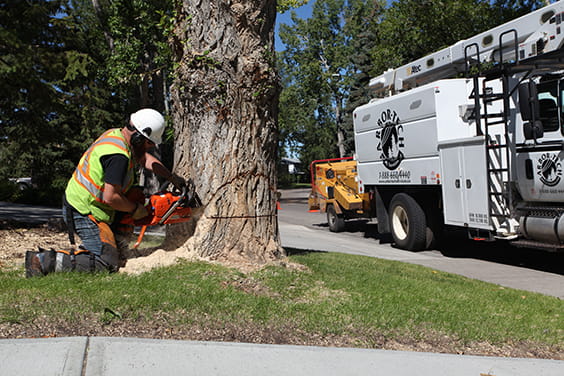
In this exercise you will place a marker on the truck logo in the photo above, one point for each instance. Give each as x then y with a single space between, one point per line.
390 142
549 169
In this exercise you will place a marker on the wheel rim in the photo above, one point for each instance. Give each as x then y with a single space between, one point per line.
400 222
331 218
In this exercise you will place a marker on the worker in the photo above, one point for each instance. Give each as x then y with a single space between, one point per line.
99 191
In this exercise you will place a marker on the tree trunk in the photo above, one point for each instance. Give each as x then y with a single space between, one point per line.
225 99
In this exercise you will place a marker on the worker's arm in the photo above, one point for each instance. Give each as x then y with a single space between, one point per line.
115 168
116 199
150 162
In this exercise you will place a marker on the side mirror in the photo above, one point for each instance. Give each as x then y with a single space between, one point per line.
533 130
529 101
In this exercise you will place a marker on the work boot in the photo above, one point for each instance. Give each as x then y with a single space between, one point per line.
33 265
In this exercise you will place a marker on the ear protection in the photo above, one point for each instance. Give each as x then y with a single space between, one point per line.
137 138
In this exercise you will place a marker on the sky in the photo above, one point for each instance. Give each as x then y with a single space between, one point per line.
303 12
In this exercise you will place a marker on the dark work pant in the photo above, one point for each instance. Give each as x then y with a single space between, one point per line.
98 239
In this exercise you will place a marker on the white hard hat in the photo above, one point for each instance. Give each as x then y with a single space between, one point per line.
150 123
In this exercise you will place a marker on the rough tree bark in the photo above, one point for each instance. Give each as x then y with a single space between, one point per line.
225 100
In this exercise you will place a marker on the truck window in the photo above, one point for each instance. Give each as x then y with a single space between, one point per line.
549 105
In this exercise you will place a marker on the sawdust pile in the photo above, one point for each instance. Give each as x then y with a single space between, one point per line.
147 259
158 258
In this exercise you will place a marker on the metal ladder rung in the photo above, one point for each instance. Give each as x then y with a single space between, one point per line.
497 122
504 169
499 215
490 98
496 146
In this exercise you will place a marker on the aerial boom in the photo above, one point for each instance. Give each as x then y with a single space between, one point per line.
527 37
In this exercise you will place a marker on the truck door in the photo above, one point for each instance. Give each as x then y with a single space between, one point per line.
539 165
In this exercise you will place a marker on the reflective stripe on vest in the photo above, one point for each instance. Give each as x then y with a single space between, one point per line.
85 190
82 172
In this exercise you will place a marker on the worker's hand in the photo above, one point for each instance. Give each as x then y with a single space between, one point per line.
140 212
177 181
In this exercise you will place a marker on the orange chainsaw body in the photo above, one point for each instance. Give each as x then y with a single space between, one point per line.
164 208
159 205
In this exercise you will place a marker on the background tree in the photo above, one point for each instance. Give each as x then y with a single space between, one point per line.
62 83
369 40
315 67
363 27
225 98
50 103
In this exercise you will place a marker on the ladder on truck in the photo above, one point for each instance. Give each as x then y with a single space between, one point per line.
500 200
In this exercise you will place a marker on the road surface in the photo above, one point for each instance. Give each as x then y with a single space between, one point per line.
524 269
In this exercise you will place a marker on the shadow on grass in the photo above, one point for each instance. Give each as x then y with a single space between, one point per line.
296 251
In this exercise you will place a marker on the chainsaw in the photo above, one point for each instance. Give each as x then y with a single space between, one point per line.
166 207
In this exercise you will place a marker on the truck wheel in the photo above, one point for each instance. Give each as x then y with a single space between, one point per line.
433 219
336 221
408 224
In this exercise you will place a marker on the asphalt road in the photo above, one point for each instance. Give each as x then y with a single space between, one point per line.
31 214
525 269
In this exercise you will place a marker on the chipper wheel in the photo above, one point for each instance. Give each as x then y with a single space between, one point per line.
336 221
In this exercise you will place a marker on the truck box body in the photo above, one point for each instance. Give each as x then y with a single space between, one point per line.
397 137
484 153
419 138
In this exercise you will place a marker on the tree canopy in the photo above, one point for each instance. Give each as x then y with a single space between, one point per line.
330 57
69 70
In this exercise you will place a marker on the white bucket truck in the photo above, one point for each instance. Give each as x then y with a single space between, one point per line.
471 136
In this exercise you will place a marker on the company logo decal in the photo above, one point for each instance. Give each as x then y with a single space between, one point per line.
390 140
549 169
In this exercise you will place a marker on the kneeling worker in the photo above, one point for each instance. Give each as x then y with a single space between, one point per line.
101 185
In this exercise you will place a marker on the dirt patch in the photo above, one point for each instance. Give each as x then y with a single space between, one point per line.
163 326
16 239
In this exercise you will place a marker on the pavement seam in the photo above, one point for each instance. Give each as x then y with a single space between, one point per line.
85 357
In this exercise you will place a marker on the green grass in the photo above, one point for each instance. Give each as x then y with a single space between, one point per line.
337 294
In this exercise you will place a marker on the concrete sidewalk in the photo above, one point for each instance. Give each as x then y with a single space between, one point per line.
125 356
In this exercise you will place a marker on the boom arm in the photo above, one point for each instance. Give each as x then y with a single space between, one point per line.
535 34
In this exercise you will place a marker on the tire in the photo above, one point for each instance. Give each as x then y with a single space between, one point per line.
336 221
434 227
408 223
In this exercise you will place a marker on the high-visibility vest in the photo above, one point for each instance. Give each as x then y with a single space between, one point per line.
85 190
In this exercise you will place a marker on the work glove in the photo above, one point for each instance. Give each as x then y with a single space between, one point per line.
177 181
139 212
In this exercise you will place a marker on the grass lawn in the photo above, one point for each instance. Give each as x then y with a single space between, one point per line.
334 299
